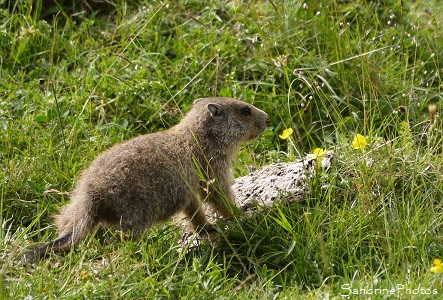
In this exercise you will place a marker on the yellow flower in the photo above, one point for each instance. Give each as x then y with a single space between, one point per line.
438 266
286 133
85 275
318 153
359 142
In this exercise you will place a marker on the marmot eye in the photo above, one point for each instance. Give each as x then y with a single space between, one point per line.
246 111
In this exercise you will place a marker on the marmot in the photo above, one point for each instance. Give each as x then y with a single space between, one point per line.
152 177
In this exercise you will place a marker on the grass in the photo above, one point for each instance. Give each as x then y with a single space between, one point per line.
76 82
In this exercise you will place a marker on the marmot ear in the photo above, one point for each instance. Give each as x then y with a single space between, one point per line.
214 109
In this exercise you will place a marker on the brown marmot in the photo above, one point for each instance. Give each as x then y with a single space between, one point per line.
152 177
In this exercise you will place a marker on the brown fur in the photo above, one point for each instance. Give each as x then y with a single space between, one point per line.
150 178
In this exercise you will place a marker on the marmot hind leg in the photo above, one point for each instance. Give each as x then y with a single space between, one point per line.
195 212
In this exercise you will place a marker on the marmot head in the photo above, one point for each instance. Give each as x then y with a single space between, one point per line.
229 121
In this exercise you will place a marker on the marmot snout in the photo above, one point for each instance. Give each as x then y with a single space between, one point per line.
152 177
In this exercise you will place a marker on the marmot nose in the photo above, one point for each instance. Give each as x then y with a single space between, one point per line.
268 120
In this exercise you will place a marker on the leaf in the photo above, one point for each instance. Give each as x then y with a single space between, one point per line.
283 221
225 93
42 119
36 188
123 123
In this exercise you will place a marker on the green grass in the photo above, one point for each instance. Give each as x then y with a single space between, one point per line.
76 82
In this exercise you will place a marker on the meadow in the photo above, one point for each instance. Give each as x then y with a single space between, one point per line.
77 78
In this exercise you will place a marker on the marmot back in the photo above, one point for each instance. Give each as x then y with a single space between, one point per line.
152 177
